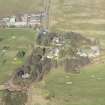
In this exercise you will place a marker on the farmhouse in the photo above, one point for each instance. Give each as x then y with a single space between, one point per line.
16 22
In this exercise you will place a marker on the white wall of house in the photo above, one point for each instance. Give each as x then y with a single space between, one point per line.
20 24
12 20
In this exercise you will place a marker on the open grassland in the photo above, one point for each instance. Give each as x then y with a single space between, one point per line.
13 40
60 88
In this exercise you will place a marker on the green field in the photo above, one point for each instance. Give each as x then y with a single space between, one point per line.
60 88
87 88
13 40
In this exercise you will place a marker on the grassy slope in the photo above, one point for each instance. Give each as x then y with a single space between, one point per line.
24 38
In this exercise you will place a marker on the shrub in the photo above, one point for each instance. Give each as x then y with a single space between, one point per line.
1 39
21 53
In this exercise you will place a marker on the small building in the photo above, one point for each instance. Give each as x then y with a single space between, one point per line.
12 20
6 19
34 20
16 22
24 18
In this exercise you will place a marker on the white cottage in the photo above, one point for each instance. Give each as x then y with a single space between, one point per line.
11 21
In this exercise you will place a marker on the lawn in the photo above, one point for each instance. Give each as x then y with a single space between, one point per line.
13 40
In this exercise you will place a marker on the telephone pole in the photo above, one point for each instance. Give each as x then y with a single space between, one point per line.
47 7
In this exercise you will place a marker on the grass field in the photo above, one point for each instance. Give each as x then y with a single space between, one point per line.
86 88
13 40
